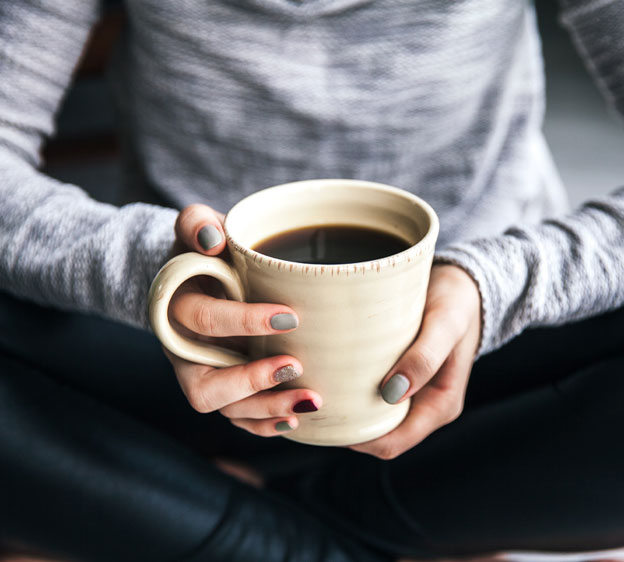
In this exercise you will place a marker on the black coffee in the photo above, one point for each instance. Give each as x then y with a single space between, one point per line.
331 244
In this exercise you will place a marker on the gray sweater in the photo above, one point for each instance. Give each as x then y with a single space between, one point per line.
220 98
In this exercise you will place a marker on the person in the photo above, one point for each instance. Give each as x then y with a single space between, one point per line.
102 459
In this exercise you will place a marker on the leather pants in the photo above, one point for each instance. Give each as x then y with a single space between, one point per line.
102 459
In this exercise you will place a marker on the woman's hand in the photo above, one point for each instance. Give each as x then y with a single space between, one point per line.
434 371
243 393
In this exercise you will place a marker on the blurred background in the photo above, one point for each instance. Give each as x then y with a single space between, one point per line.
587 140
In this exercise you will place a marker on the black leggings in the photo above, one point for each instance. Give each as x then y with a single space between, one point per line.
102 459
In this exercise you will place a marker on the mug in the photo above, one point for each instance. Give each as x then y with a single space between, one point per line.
355 320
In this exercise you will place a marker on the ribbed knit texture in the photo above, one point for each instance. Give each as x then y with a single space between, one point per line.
221 98
561 270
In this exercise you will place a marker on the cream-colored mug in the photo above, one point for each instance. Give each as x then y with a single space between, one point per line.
355 320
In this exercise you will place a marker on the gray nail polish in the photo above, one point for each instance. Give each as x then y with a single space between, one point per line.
285 374
284 321
209 237
395 388
282 426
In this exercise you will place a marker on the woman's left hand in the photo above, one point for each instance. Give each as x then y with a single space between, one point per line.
434 371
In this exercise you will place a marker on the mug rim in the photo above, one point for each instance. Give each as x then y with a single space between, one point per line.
424 246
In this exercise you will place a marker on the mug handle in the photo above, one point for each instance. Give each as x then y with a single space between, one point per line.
175 272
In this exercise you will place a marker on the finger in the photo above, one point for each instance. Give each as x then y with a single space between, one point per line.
424 417
435 405
209 316
208 389
273 404
200 228
267 428
422 360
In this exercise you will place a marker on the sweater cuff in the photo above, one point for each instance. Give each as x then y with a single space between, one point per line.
153 247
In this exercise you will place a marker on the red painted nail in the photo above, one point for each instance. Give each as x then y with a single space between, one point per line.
304 406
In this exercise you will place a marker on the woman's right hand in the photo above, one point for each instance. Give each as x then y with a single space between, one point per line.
245 394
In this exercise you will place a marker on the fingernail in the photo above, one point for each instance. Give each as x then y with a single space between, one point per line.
304 407
284 321
209 237
285 374
395 388
282 426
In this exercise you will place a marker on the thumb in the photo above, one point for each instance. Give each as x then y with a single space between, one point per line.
200 228
421 361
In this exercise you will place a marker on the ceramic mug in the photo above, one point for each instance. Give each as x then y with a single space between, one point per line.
355 320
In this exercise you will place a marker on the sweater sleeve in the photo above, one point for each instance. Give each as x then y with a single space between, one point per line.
562 269
596 28
558 271
58 246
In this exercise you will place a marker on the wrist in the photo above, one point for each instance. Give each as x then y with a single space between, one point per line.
457 285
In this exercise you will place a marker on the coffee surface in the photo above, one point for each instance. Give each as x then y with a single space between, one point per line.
331 244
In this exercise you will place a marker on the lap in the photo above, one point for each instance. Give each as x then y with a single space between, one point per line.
536 470
543 356
542 393
125 368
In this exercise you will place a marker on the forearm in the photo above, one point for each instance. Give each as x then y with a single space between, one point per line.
555 272
60 247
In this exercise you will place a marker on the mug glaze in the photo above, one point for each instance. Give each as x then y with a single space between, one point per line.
355 320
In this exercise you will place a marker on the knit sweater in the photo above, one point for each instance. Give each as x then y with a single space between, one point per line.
220 98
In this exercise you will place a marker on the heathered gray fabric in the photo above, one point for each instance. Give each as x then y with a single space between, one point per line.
567 268
442 98
221 98
58 246
560 270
